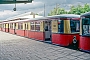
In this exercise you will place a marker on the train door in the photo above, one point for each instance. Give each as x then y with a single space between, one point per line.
48 31
26 30
14 28
8 27
5 27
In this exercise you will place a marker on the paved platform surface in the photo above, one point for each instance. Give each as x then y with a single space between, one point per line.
14 47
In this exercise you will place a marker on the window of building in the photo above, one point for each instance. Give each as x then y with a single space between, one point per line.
86 26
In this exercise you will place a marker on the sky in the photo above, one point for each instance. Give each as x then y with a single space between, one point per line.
37 6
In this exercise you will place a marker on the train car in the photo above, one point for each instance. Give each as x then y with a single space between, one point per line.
31 28
37 28
63 29
85 32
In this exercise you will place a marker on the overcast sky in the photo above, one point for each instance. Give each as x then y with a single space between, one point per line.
37 6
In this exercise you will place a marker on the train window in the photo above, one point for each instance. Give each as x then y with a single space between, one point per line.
20 25
37 26
75 25
32 25
60 26
11 25
86 26
27 25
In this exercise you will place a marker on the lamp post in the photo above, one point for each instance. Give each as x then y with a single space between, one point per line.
15 6
44 10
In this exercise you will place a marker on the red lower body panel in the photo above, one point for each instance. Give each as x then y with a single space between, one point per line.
7 29
19 32
3 29
0 29
26 33
37 35
11 31
63 39
84 43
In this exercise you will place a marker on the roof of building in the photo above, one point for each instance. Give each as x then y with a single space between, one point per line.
24 16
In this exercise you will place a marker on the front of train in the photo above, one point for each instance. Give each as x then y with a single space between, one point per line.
85 32
65 29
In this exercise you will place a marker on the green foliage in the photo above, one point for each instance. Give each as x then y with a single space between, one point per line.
57 11
79 9
73 10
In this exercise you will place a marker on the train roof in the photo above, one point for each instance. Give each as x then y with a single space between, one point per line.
47 18
32 19
64 16
86 14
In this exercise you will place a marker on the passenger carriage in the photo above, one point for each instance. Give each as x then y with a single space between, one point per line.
85 32
63 29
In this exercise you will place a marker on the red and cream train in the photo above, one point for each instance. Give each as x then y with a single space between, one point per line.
59 29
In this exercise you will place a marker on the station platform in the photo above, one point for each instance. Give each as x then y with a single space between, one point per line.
13 47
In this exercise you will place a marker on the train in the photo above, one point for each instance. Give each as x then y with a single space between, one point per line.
64 30
85 32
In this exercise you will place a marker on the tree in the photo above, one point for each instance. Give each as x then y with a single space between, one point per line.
57 11
79 9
